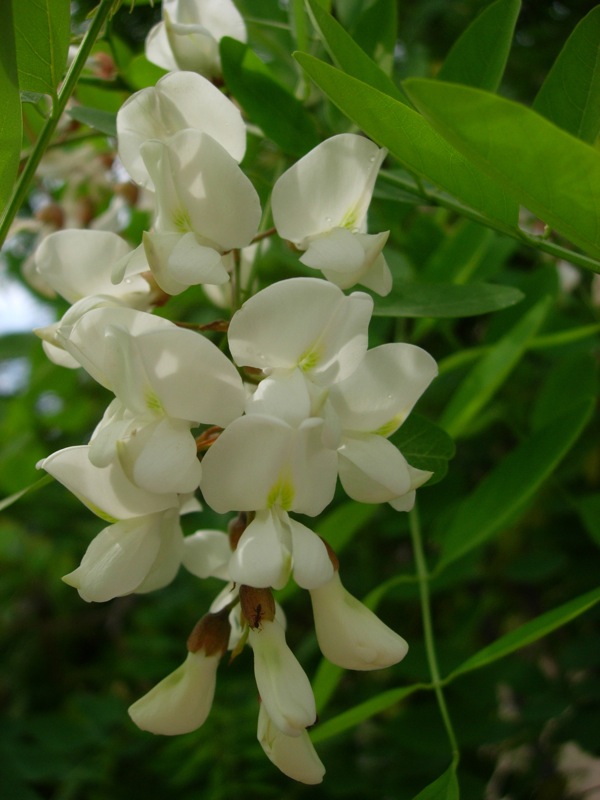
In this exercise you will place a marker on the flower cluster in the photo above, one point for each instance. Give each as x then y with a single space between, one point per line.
301 402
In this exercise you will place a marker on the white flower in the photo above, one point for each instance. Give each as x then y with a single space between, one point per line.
349 634
320 204
282 683
370 404
261 462
295 756
136 555
77 264
179 100
272 546
303 323
166 380
188 37
206 208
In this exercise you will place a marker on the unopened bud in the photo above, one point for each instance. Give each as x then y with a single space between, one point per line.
210 634
258 605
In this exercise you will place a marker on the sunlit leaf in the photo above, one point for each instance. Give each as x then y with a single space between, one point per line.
10 119
570 95
42 29
529 632
539 165
348 55
479 55
410 139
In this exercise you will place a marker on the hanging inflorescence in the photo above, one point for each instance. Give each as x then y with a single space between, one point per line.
301 402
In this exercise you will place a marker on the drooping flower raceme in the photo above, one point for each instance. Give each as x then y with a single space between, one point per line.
188 36
320 205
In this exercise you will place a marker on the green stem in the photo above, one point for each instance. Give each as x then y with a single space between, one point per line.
436 197
58 106
436 680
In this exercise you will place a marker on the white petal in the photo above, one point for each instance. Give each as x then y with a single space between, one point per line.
312 565
78 263
181 702
349 634
206 554
262 557
168 559
385 386
190 377
158 49
192 263
241 469
371 271
295 756
284 395
372 470
179 100
118 559
107 492
194 48
302 322
330 187
282 683
337 250
161 457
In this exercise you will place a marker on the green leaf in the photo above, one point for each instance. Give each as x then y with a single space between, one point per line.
411 140
103 121
445 300
361 712
348 55
141 73
529 632
376 31
8 501
42 32
578 373
506 490
588 509
491 372
11 133
540 166
479 55
267 102
570 95
443 788
425 446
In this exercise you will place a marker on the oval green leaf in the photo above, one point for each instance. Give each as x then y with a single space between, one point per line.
446 300
529 632
570 95
506 490
479 55
540 166
410 139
